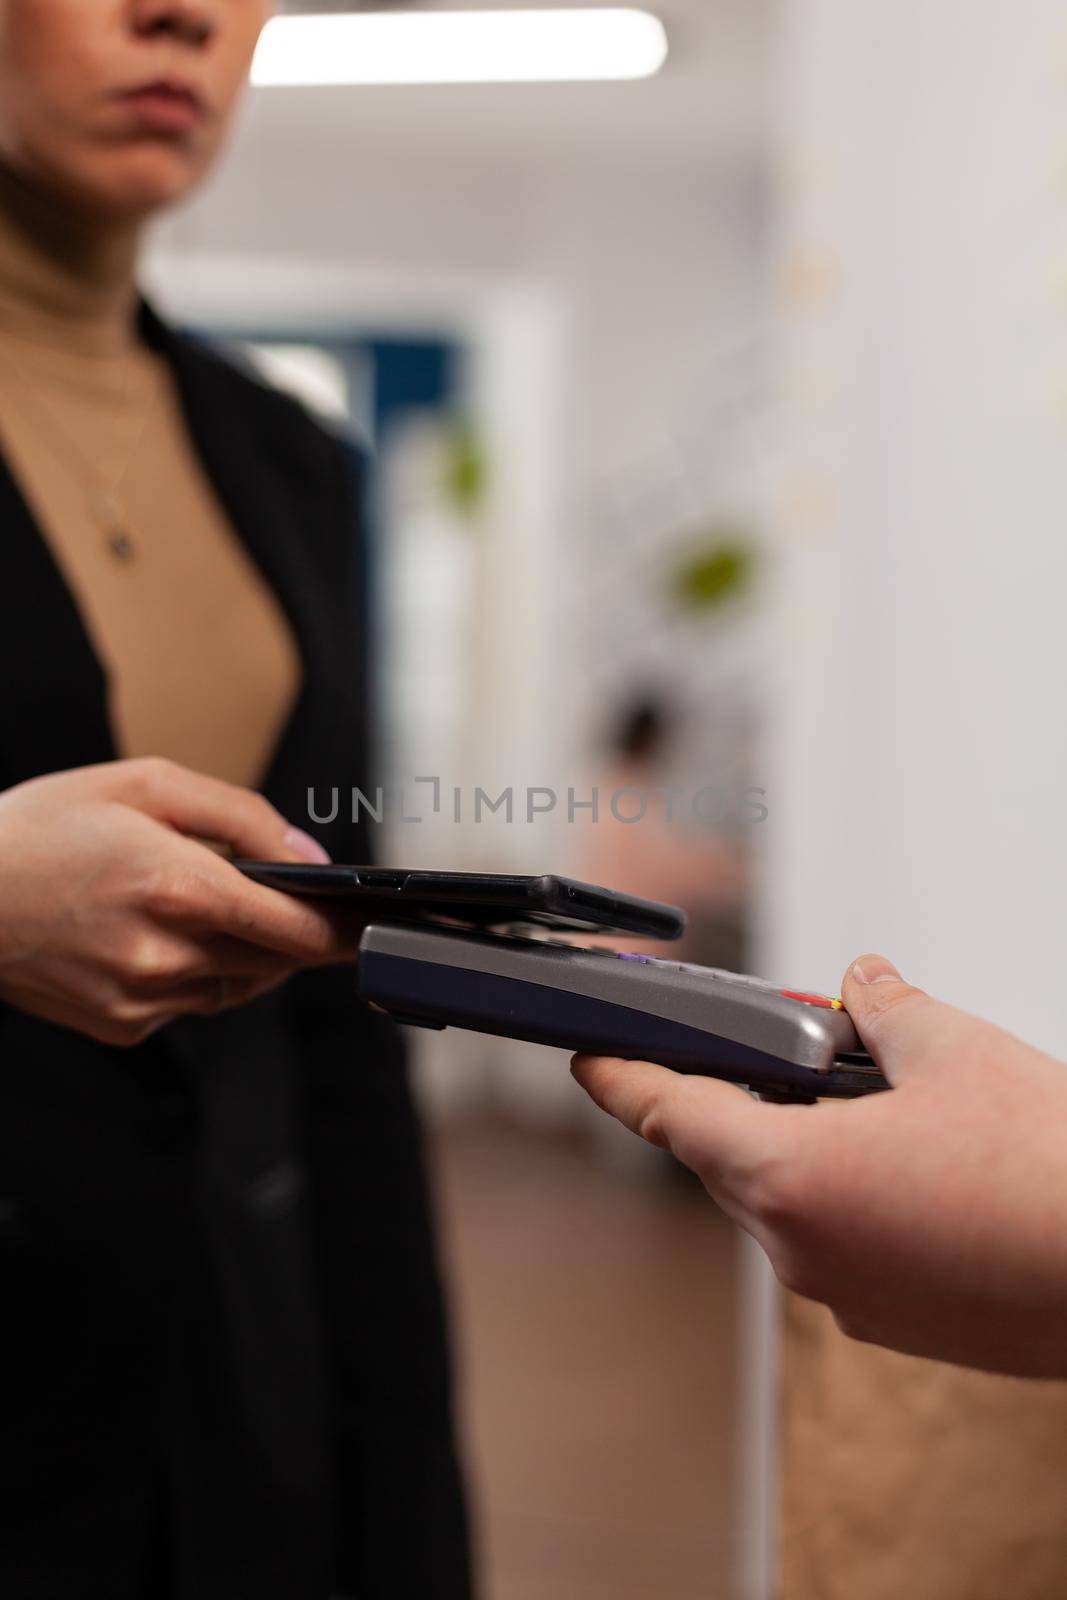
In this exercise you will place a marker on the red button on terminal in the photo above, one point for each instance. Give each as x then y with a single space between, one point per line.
822 1000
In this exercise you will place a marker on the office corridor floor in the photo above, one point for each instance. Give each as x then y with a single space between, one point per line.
596 1326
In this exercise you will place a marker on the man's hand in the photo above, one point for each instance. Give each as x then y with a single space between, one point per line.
115 918
932 1219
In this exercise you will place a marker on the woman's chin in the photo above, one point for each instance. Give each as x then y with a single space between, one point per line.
128 186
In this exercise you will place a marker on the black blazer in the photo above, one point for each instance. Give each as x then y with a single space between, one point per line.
223 1369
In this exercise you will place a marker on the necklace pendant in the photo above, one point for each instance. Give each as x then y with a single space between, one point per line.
108 512
121 545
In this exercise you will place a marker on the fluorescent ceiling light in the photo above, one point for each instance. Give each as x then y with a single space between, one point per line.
461 47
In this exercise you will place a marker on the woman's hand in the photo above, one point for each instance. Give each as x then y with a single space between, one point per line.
114 918
932 1219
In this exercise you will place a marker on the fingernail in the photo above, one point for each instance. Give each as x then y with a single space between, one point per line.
875 969
303 845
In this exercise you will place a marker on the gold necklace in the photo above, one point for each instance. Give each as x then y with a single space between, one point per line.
103 501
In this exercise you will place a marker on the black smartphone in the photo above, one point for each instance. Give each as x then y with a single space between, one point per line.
475 899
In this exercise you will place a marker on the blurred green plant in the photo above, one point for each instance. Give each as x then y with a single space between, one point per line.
465 469
714 574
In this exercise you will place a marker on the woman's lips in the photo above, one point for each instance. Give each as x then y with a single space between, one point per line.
164 107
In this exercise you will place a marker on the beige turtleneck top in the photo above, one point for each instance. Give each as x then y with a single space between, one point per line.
201 661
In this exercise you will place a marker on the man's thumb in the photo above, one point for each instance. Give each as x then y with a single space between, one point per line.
897 1023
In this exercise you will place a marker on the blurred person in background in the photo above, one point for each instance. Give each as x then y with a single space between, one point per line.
644 843
225 1369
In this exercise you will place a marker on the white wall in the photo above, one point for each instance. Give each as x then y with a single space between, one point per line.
918 759
922 754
